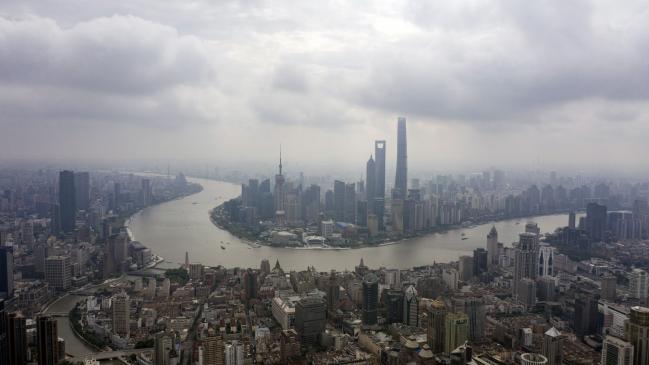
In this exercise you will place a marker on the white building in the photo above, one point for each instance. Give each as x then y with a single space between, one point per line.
614 317
546 260
638 282
393 278
616 352
234 353
327 228
283 309
450 278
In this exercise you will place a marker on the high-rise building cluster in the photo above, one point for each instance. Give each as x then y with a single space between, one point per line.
577 294
60 231
288 212
39 344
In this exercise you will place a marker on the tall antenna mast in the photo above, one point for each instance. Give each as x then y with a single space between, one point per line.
280 158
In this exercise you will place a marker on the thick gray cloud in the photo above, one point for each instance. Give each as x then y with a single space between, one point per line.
475 77
532 56
119 69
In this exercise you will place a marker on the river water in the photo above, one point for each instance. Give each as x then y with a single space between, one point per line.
172 228
73 345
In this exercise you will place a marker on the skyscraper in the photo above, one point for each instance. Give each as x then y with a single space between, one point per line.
456 328
608 285
17 336
339 200
616 352
310 319
525 259
264 267
435 332
401 177
480 261
585 315
47 341
393 303
163 344
526 293
289 346
551 347
82 190
571 219
67 201
55 215
27 233
492 249
350 203
465 268
639 284
379 158
333 293
213 350
596 218
146 192
474 308
250 280
370 299
6 272
546 260
57 272
370 186
378 207
234 353
397 208
121 314
411 307
636 332
4 335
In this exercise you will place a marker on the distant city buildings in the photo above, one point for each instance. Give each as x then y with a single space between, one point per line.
58 272
401 175
557 296
67 201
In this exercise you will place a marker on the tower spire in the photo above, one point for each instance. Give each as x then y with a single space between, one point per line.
280 159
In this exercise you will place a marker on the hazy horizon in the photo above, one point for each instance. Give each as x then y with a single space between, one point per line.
511 85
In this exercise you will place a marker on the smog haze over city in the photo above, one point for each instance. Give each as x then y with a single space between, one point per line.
366 182
511 84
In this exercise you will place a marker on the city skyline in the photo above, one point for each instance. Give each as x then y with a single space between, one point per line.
386 182
480 95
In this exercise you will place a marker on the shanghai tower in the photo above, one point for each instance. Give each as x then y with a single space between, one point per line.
401 179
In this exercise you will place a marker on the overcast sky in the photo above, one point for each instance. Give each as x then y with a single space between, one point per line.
482 83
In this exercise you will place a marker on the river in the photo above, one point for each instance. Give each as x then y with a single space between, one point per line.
172 228
73 345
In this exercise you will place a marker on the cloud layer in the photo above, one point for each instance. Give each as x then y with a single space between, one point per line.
233 79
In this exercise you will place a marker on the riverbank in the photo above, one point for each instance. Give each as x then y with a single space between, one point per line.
74 317
126 217
218 218
180 226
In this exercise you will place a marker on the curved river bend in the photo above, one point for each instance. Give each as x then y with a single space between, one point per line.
169 229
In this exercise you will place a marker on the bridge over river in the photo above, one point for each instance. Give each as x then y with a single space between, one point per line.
108 355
